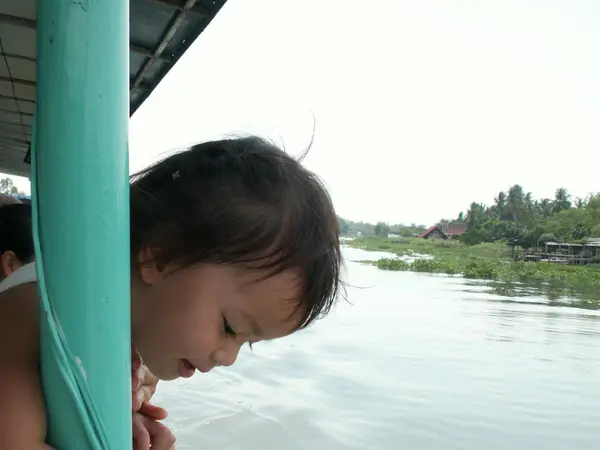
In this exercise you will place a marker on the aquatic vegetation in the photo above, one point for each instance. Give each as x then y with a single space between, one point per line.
409 246
490 261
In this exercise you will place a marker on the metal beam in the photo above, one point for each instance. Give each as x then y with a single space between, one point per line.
14 132
174 25
14 111
18 81
12 148
17 99
141 85
147 52
15 124
17 21
136 48
176 4
14 141
198 10
15 56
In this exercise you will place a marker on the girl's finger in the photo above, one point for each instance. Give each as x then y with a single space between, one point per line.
141 436
160 436
145 393
137 400
152 411
149 378
136 358
137 373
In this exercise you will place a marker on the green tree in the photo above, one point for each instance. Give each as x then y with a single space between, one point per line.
475 215
344 226
580 231
476 219
515 203
500 206
545 207
562 200
382 229
515 216
546 237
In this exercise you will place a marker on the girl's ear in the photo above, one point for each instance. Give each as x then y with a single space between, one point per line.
148 270
10 263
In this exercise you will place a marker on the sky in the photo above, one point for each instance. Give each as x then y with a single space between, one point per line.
418 107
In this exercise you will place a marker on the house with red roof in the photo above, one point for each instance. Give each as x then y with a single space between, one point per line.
444 231
455 230
433 232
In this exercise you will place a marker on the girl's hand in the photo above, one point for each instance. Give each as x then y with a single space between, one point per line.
150 434
147 431
143 385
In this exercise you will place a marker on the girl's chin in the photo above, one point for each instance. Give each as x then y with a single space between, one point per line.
164 372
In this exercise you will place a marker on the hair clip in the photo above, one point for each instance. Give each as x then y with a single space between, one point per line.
176 174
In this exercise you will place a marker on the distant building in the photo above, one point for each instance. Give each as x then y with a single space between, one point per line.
454 230
393 235
433 233
445 231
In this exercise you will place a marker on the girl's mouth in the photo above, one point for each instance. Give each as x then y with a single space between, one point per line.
186 368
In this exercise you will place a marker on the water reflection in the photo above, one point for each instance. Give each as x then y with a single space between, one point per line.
549 294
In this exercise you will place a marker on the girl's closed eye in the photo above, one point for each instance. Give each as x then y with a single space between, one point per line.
228 329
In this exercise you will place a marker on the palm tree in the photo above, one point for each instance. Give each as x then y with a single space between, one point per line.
501 205
562 200
545 207
475 215
515 203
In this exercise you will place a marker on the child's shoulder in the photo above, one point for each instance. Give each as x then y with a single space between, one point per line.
22 406
19 312
19 317
24 275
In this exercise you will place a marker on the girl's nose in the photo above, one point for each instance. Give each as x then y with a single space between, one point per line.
226 356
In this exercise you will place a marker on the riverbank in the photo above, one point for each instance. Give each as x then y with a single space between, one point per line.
483 261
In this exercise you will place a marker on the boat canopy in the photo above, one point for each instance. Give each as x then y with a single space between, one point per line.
160 32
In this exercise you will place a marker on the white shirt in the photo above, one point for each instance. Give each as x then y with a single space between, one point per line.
24 275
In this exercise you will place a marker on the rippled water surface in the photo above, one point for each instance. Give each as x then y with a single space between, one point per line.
415 362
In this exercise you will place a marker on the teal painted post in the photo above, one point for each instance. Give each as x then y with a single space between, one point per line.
82 199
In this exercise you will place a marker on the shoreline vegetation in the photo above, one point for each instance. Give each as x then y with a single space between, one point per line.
495 240
485 261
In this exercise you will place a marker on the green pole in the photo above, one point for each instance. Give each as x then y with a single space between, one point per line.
81 199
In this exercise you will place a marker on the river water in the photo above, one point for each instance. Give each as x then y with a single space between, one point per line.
415 362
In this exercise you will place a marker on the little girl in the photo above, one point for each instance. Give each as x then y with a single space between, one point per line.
232 242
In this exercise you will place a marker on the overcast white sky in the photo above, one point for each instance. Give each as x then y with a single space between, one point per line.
421 106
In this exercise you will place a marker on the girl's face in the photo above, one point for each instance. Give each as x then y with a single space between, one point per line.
199 317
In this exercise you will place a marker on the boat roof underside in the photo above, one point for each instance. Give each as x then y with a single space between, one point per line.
160 33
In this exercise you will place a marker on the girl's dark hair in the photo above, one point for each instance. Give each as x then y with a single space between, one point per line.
240 201
15 231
